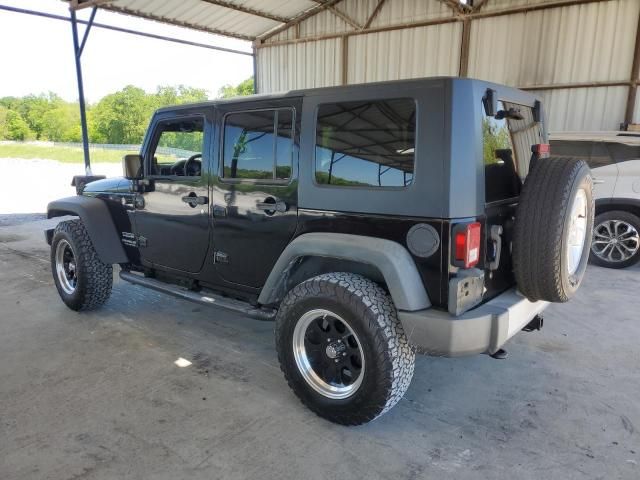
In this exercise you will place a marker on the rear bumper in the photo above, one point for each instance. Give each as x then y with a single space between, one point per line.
481 330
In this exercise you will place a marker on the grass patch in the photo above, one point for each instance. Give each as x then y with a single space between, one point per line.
61 153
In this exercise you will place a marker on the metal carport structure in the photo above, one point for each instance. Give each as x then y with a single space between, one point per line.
592 70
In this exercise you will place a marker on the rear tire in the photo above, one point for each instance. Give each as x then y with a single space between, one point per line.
339 316
82 280
553 228
616 242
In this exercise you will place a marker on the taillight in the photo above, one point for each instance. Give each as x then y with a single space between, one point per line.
467 244
542 149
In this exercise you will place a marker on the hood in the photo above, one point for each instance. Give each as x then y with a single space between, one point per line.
108 185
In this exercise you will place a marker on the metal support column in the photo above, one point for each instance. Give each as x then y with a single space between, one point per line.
255 70
77 50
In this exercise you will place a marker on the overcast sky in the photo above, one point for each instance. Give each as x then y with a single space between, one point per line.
36 55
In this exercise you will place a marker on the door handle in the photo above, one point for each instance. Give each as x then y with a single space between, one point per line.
270 206
193 200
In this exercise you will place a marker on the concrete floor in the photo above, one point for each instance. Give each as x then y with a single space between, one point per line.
97 396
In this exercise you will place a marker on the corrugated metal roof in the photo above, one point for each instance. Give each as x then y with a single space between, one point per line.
245 19
580 50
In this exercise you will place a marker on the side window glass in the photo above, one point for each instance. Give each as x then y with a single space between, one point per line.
258 145
178 148
366 144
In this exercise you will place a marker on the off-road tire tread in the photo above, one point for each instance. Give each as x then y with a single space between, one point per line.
539 227
97 277
392 349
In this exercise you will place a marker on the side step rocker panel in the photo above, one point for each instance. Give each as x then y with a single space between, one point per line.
209 299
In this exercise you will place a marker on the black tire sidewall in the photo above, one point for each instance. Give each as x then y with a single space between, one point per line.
571 282
374 383
616 215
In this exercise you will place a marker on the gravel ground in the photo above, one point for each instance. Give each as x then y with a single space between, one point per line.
26 186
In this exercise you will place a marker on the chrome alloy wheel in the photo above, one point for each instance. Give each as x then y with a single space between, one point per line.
328 354
615 241
66 268
577 231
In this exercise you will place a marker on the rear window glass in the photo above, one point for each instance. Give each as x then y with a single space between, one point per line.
366 144
258 145
594 153
507 140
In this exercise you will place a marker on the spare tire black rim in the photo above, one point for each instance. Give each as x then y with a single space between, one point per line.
577 231
615 241
328 354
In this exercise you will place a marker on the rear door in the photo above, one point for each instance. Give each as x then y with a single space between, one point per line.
255 196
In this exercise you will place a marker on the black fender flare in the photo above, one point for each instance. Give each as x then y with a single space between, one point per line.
392 260
96 218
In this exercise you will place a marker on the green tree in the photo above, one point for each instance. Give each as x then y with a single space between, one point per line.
4 129
17 127
242 89
122 117
169 95
62 123
34 110
495 135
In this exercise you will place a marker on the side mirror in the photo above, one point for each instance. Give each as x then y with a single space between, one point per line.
132 166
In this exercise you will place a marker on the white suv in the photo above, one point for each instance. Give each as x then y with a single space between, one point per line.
614 158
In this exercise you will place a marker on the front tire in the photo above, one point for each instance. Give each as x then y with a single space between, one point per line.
342 349
82 280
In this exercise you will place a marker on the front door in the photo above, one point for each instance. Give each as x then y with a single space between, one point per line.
172 221
255 201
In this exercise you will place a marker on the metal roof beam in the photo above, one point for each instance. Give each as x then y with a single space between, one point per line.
124 30
425 23
343 16
171 21
247 10
456 6
297 19
79 4
374 14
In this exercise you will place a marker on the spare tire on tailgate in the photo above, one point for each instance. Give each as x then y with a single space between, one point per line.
553 229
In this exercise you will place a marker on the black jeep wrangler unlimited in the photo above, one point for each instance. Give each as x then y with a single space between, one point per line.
370 221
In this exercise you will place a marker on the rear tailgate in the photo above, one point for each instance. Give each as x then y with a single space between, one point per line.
507 148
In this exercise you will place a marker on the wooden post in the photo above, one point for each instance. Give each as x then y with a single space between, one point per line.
635 72
464 48
345 59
